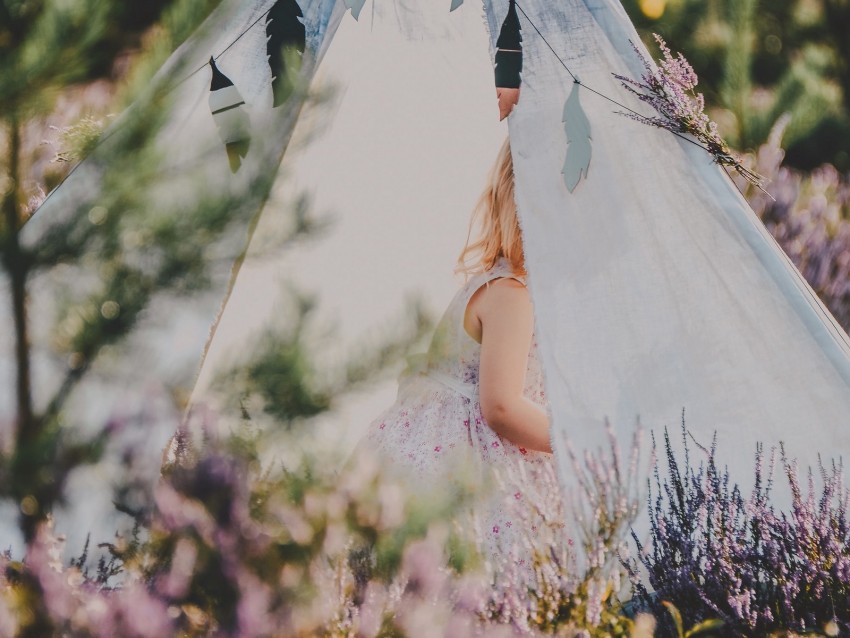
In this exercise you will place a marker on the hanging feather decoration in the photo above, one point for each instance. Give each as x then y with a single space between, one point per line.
285 42
356 6
455 5
508 62
230 117
577 127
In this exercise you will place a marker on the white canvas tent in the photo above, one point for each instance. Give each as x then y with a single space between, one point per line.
655 287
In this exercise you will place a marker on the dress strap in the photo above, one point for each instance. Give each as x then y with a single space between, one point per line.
501 270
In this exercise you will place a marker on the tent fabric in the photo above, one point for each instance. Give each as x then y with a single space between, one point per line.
655 287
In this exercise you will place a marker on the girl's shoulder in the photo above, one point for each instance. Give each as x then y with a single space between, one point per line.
482 281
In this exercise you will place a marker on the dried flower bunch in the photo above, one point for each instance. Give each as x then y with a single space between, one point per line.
669 89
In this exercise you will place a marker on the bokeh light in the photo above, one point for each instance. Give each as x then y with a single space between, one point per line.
653 8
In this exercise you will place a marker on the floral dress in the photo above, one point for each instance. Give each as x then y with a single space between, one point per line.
436 426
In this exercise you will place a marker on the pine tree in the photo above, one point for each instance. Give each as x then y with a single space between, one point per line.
47 48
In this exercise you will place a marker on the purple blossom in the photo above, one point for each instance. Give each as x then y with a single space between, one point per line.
715 554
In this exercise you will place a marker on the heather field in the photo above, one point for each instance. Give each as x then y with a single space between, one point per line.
246 522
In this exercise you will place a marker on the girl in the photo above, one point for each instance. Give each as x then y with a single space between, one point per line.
477 395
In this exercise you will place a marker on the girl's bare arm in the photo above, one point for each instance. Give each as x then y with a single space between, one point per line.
501 317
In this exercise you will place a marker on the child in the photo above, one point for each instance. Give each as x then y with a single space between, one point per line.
476 397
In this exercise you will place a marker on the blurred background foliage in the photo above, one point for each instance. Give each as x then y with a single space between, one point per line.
52 52
66 67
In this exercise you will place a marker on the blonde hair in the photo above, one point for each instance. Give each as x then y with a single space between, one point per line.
495 215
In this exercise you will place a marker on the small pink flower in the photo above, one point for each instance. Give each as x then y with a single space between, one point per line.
494 444
407 424
382 426
518 495
438 448
466 423
570 542
523 451
495 529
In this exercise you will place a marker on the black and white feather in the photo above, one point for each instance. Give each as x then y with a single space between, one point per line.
230 116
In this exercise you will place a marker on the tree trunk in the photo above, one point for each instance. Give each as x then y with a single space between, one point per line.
16 267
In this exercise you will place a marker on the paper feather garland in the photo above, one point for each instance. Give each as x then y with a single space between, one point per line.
577 127
508 62
230 116
285 34
356 7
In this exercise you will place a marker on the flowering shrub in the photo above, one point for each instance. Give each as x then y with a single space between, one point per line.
231 549
716 554
571 588
234 550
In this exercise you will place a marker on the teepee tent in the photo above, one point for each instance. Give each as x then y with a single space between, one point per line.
655 287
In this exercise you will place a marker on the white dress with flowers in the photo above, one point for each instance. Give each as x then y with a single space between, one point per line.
436 423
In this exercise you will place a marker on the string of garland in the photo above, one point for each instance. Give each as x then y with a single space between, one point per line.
233 127
169 90
576 125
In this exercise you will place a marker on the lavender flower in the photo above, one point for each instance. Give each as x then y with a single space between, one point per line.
715 554
540 585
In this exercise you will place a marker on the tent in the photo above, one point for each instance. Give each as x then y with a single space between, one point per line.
655 287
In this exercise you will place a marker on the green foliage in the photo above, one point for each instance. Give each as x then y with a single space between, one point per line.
140 231
277 383
80 139
705 628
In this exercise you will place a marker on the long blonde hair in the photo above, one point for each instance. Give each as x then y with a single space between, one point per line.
495 215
